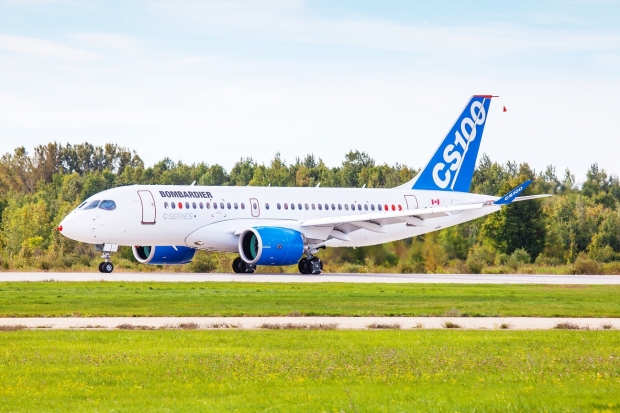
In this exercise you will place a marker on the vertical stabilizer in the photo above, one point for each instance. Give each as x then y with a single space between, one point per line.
452 166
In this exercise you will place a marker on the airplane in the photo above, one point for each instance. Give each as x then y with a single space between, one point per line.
167 224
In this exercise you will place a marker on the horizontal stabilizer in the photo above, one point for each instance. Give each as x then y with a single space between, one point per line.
510 196
528 197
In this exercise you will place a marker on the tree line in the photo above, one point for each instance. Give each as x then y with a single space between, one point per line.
577 230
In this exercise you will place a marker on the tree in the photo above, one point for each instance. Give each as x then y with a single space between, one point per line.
518 225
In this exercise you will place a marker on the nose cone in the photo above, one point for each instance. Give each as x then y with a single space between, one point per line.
72 228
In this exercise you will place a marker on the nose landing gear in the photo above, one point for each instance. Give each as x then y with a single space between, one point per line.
106 267
241 267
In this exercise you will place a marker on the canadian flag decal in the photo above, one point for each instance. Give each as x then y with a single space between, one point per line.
435 201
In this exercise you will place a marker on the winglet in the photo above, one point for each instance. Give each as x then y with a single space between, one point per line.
510 196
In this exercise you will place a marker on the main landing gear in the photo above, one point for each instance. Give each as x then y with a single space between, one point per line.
106 267
241 267
311 265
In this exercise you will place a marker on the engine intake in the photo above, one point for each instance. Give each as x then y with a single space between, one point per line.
163 255
271 246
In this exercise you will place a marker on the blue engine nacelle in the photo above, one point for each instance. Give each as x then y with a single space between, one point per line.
271 246
163 255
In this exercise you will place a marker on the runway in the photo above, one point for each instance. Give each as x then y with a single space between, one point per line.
341 323
339 278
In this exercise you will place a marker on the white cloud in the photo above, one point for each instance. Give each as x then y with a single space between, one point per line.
292 22
109 41
192 62
609 59
44 49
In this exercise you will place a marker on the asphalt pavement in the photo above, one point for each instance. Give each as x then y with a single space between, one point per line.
295 278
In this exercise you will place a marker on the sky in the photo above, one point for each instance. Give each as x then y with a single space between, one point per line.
214 81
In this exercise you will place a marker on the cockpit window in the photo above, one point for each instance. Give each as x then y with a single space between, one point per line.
92 205
108 205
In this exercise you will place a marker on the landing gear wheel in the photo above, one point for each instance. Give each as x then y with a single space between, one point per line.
106 267
238 265
304 266
316 266
241 267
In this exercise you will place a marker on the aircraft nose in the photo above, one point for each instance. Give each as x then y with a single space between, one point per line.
69 227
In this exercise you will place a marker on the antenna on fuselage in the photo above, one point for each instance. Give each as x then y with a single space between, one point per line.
363 186
193 183
317 185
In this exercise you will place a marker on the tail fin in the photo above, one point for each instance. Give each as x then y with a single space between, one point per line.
452 166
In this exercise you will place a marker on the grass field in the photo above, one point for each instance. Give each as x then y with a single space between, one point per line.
62 299
315 371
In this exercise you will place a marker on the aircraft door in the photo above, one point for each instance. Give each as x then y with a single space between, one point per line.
254 207
148 207
412 201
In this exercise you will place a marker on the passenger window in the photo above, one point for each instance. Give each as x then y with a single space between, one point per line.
326 207
194 205
92 205
255 205
313 207
201 205
173 205
166 205
346 207
285 205
359 207
221 205
307 207
299 206
242 205
279 206
107 205
180 205
372 206
187 205
320 207
236 205
379 207
228 205
339 207
352 207
292 206
208 204
393 207
266 205
333 207
400 208
365 207
215 205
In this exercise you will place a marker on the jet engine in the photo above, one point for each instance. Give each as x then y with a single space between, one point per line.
271 246
163 255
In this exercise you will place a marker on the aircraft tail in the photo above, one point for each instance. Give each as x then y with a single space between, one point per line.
452 166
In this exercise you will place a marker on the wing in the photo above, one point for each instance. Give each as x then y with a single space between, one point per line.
338 226
400 216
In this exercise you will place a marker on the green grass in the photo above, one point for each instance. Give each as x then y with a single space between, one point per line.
310 371
49 299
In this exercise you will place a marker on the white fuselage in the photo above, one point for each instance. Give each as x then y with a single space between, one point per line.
142 216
